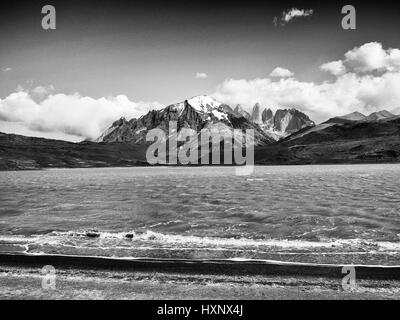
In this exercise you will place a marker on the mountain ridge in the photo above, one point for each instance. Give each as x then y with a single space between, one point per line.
196 113
199 111
358 116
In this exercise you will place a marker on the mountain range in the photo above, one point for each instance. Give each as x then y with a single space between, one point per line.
197 113
203 112
286 136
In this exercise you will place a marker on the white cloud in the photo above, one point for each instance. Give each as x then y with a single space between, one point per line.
75 117
279 72
370 57
7 69
337 68
393 60
291 14
62 115
21 129
348 92
201 75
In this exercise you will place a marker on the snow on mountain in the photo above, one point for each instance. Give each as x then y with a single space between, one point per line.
199 111
204 103
195 113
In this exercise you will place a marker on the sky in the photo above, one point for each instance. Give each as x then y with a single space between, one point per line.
108 59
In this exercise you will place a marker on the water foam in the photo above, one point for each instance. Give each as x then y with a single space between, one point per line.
154 238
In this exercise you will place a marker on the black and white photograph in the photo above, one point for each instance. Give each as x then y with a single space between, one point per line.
199 150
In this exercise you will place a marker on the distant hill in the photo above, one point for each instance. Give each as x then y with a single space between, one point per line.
357 116
364 141
381 115
25 153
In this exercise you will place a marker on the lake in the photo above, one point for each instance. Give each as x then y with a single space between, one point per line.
316 214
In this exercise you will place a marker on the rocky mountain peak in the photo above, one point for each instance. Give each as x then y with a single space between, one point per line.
241 112
120 121
195 113
267 115
281 124
256 114
238 108
288 121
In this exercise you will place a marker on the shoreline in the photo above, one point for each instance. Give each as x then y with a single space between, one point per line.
202 166
204 267
17 283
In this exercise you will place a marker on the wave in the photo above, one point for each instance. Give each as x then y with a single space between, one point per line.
151 237
230 242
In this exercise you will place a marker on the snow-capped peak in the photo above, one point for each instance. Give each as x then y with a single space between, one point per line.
203 103
207 105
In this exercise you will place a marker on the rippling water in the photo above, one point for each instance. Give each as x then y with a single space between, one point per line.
348 214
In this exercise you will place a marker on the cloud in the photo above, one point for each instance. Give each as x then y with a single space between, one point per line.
279 72
357 86
21 129
41 92
353 89
201 75
368 58
7 70
336 68
348 93
71 117
290 15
